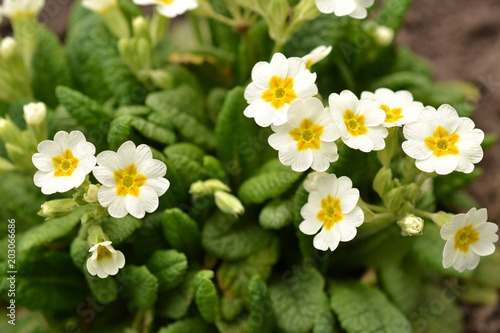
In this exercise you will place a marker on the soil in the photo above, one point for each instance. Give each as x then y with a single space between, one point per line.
461 39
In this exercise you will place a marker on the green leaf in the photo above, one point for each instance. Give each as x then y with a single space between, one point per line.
479 295
214 168
393 13
50 67
149 237
132 110
49 231
239 139
184 99
188 169
120 229
141 287
184 149
296 300
46 281
428 250
438 312
105 290
488 271
189 325
268 183
181 232
361 308
85 110
79 252
276 214
230 308
402 283
153 132
230 239
233 277
119 131
175 303
169 267
205 296
261 318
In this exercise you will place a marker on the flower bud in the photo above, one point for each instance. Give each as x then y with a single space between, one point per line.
276 16
5 165
140 27
208 187
382 183
8 47
35 113
311 182
411 225
90 195
383 35
228 203
316 55
306 10
441 218
57 208
96 235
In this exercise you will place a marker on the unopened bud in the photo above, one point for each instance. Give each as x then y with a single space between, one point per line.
411 225
311 182
207 187
90 195
140 27
5 165
57 208
316 55
441 218
96 235
382 183
306 10
8 47
383 35
228 203
35 113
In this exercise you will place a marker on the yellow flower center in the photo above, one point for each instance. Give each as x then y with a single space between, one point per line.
307 135
391 115
280 93
65 164
129 181
166 2
103 253
330 212
441 143
464 237
354 124
309 64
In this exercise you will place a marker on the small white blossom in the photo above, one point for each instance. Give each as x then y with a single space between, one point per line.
316 55
99 6
311 182
64 162
333 209
170 8
359 122
21 8
442 142
131 180
105 260
275 86
307 139
398 106
35 113
354 8
468 237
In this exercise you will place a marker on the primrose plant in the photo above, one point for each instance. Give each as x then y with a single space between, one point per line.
311 164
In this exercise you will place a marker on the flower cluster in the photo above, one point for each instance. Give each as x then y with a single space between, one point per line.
306 135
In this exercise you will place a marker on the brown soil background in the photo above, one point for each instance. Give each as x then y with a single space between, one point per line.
461 39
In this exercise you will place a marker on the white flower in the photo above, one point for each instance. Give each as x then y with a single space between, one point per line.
332 208
468 236
311 182
64 162
170 8
411 225
275 86
359 122
398 106
34 113
316 55
442 142
131 180
21 8
307 139
353 8
105 260
99 6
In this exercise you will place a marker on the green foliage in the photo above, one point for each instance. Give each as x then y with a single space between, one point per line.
361 308
271 180
169 267
119 230
261 318
276 214
190 325
293 315
181 232
175 302
231 239
205 296
141 287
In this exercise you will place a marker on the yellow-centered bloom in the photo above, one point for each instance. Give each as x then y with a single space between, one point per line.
170 8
